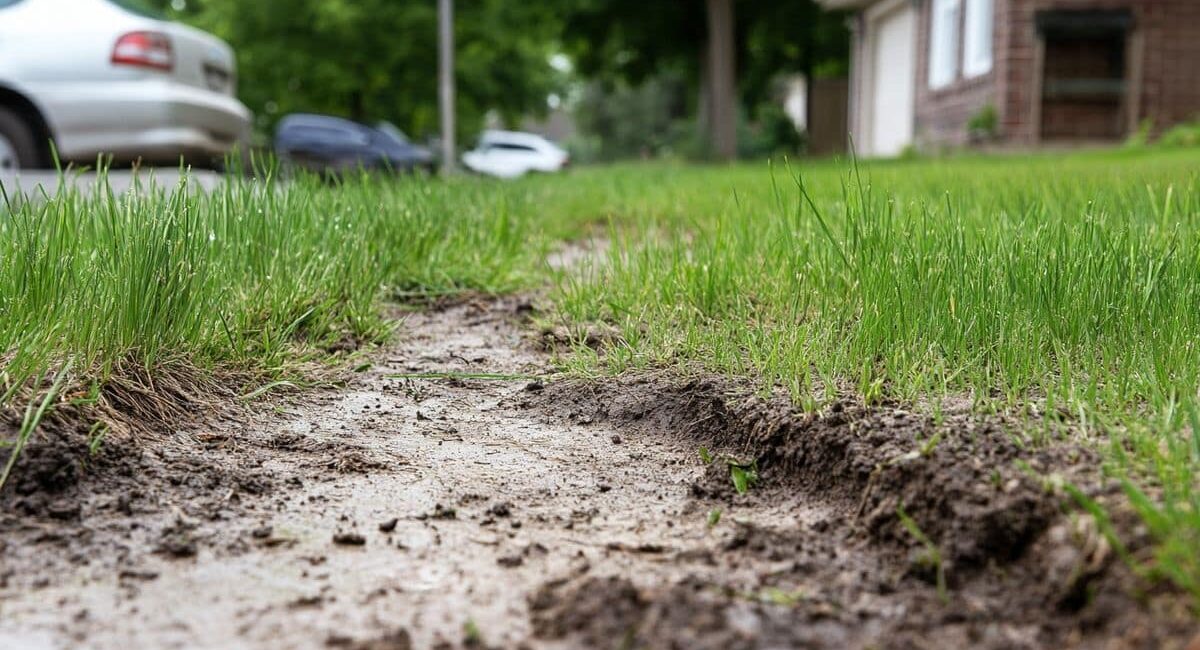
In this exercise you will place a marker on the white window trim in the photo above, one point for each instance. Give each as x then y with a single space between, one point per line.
978 38
944 34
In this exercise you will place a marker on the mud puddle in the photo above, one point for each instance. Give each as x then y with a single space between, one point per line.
467 504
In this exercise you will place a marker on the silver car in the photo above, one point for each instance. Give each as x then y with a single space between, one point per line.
106 77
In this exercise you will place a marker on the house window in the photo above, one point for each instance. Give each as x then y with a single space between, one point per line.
943 43
977 42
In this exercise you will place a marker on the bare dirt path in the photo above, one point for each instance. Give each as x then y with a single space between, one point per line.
450 511
428 506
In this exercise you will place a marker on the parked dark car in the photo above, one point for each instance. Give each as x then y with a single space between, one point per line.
326 144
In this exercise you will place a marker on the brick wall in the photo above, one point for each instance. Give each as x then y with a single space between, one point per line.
942 114
1164 74
1171 92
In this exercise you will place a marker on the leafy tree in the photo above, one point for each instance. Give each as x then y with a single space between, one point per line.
797 36
619 120
377 59
632 40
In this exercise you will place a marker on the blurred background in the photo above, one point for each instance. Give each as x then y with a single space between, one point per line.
330 84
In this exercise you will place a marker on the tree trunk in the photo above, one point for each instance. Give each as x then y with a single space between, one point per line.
358 106
722 85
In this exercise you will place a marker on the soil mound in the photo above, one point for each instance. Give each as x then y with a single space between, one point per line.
955 525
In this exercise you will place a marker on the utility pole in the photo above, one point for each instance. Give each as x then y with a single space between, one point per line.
446 83
722 81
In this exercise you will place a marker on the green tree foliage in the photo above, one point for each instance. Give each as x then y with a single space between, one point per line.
788 37
619 120
377 59
634 40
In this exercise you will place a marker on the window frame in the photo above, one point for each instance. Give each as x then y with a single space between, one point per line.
978 38
945 38
514 147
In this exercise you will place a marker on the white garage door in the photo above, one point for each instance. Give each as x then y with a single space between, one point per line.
893 82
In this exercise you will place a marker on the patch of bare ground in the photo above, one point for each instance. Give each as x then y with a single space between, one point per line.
448 498
1019 566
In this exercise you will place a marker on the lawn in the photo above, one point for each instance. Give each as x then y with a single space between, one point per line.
1061 289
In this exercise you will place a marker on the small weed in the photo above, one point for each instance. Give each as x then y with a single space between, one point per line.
89 398
706 456
777 596
984 124
471 634
745 476
930 444
714 517
932 557
96 437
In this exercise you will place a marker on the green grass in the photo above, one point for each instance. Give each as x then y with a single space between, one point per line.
1060 285
1073 280
252 277
1065 289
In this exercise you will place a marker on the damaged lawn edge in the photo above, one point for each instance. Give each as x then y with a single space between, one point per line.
897 488
247 289
30 422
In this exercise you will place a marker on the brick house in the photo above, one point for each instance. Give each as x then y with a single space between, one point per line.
1024 72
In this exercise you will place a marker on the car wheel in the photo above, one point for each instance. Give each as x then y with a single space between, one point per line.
18 148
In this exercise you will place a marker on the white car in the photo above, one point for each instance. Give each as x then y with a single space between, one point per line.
510 154
105 77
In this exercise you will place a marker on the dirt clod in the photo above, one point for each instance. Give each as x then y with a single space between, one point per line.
349 539
599 612
500 510
396 640
440 512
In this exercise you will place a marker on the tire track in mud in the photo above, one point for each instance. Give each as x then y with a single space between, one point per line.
459 512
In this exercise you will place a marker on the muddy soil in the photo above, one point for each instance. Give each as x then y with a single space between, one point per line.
476 505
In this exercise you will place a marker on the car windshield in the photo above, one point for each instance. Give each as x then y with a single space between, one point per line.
392 131
140 7
333 135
